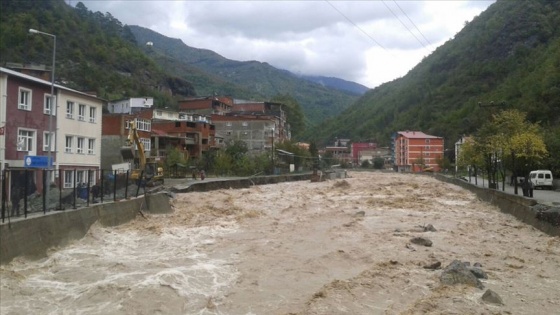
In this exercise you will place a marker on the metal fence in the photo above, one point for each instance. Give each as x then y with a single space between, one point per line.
25 192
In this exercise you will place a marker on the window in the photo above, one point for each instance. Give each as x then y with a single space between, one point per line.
92 113
24 101
228 124
80 145
47 140
159 113
147 144
245 124
80 177
68 148
70 110
91 146
427 141
143 124
49 105
25 140
68 179
81 112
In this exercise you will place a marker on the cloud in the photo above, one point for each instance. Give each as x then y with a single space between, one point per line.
369 42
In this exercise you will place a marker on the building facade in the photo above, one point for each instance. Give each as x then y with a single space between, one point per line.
416 151
36 125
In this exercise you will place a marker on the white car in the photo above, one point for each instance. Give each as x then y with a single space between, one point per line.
541 179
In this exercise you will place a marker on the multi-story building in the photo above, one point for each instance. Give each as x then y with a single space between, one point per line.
258 132
416 151
362 151
340 150
130 105
211 105
258 124
32 121
159 130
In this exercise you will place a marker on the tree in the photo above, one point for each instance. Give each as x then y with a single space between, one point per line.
378 163
223 163
174 160
508 140
470 156
294 113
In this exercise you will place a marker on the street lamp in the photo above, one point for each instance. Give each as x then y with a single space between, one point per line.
53 106
272 130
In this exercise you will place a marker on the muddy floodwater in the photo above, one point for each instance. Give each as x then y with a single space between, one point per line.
335 247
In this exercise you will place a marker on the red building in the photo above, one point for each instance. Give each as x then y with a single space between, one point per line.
359 147
415 151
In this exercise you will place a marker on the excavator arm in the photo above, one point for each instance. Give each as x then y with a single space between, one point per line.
127 151
148 170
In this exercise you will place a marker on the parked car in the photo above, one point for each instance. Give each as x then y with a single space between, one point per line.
541 179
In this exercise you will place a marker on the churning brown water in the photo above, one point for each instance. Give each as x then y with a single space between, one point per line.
334 247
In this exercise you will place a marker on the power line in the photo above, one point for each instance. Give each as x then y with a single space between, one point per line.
412 23
403 24
355 25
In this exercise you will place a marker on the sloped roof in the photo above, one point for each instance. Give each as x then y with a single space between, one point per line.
41 81
416 135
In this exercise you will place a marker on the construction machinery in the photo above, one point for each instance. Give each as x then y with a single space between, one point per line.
147 171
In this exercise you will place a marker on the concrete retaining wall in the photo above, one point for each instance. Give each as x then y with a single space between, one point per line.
239 182
33 236
518 206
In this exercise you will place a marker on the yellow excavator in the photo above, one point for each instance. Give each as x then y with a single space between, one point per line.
148 172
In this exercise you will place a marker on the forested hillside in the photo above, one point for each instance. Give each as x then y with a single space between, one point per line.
242 79
95 52
509 55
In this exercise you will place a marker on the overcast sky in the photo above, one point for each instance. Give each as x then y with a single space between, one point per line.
369 42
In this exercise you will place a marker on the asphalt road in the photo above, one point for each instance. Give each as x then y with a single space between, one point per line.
549 197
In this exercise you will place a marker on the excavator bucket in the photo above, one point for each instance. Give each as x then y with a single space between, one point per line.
127 153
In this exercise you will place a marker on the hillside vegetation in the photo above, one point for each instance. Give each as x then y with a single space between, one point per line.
97 53
509 55
245 79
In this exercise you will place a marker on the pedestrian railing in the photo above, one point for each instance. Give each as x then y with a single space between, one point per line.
25 192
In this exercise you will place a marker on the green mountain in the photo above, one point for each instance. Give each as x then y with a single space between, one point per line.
508 56
94 51
242 79
97 53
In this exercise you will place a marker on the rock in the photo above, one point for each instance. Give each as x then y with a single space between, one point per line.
457 273
476 264
393 262
360 214
421 241
479 273
433 266
429 228
492 297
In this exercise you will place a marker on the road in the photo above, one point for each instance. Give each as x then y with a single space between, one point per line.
548 197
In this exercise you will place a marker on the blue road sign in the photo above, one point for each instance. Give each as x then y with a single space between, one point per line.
33 161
